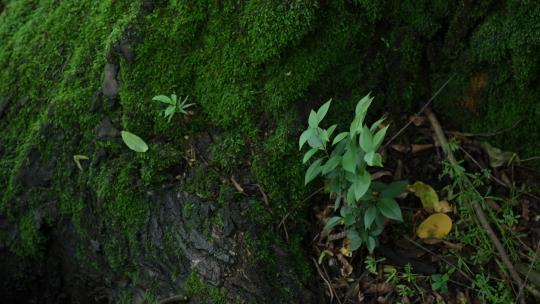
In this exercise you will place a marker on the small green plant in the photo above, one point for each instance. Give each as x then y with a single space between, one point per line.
174 105
371 264
439 282
364 206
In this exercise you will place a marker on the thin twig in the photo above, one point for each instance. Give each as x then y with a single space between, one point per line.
528 272
177 298
300 204
330 288
438 256
485 134
477 208
418 113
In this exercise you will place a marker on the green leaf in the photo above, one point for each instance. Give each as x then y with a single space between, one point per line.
134 142
77 159
339 137
174 98
356 125
371 243
321 113
366 140
315 142
309 154
390 208
361 184
348 162
376 124
312 121
169 111
323 136
164 99
373 159
356 240
349 220
350 196
331 164
363 104
394 189
369 216
331 130
332 222
379 136
313 171
304 137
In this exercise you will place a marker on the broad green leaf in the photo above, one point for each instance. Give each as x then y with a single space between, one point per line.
349 220
394 189
321 113
323 136
332 222
371 243
373 159
345 210
366 140
348 162
174 98
164 99
169 111
312 121
331 130
331 164
134 142
361 184
356 125
363 104
379 136
356 240
390 208
315 142
339 137
376 124
378 186
350 196
313 171
304 137
309 154
369 216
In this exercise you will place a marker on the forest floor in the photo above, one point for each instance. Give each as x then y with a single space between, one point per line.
465 266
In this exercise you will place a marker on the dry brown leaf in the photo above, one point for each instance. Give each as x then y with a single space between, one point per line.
379 288
418 120
377 175
451 245
493 205
525 210
400 148
415 148
346 268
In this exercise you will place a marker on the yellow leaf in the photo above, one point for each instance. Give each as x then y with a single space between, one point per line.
436 226
345 249
427 195
443 207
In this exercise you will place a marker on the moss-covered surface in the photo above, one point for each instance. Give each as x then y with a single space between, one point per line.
253 69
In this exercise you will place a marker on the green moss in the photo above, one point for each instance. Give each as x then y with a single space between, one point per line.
194 287
31 241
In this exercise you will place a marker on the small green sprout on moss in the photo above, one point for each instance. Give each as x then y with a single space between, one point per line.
364 206
134 142
173 105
